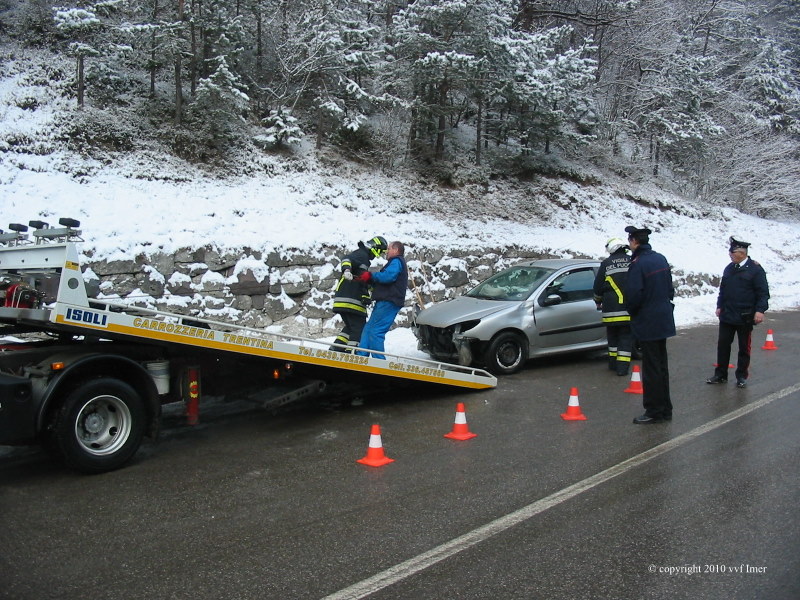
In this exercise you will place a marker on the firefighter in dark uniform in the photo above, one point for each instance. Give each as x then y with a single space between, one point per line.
741 304
352 295
609 286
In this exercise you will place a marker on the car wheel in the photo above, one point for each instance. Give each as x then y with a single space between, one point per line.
506 353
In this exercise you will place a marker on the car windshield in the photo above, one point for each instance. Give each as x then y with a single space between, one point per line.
516 283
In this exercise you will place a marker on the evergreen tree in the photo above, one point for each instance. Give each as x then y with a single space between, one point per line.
81 28
218 109
281 129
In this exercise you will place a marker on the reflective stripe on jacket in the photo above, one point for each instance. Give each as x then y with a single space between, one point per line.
609 288
351 295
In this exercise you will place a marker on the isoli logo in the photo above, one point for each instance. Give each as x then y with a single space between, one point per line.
87 317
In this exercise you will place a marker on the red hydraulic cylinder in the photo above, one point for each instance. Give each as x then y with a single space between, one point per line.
192 395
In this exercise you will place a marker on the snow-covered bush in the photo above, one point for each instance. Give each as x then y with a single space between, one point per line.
90 130
282 129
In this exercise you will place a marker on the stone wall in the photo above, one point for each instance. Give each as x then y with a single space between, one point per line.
290 288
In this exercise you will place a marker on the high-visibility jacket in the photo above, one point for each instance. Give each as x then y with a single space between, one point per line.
609 288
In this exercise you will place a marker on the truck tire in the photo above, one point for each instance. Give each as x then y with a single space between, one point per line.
99 426
506 353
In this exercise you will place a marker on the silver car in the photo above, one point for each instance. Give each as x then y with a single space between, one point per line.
533 309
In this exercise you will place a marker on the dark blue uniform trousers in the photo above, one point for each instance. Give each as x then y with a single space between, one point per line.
724 341
655 379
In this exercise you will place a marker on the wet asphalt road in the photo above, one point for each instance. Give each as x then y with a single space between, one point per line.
252 505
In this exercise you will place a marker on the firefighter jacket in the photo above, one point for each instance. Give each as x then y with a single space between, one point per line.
742 293
649 294
351 295
609 288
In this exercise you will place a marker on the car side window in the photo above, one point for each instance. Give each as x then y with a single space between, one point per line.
573 286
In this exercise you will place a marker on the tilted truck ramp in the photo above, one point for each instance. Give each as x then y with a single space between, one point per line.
106 319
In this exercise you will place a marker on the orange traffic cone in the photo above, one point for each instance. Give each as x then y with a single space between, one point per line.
635 386
770 343
375 456
573 408
460 428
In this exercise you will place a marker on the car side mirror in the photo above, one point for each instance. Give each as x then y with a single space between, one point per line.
550 300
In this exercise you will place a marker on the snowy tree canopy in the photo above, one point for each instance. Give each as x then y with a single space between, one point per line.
665 87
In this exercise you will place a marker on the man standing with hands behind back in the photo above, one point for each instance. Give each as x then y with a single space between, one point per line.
648 299
741 304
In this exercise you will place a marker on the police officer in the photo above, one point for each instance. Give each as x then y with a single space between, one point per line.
741 304
648 298
351 296
609 286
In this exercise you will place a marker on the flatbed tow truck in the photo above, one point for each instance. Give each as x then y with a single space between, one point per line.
89 377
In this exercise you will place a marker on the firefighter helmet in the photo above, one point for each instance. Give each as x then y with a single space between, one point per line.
614 244
377 245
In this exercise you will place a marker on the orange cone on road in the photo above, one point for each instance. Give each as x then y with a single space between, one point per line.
375 456
635 386
770 343
573 408
460 428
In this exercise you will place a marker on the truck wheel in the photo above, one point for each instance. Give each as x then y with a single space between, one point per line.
506 354
100 426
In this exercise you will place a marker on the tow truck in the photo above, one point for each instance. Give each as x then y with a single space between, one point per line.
87 378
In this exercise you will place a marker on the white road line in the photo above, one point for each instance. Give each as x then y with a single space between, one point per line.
422 561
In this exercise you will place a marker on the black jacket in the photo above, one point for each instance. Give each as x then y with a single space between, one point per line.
742 293
609 288
352 296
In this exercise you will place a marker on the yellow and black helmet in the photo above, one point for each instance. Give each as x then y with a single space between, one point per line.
377 245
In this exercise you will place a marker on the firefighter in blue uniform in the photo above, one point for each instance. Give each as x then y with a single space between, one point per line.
352 295
743 299
609 288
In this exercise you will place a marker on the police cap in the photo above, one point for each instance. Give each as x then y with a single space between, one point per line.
637 233
737 244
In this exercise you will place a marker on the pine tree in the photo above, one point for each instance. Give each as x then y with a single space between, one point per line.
281 129
81 26
218 109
